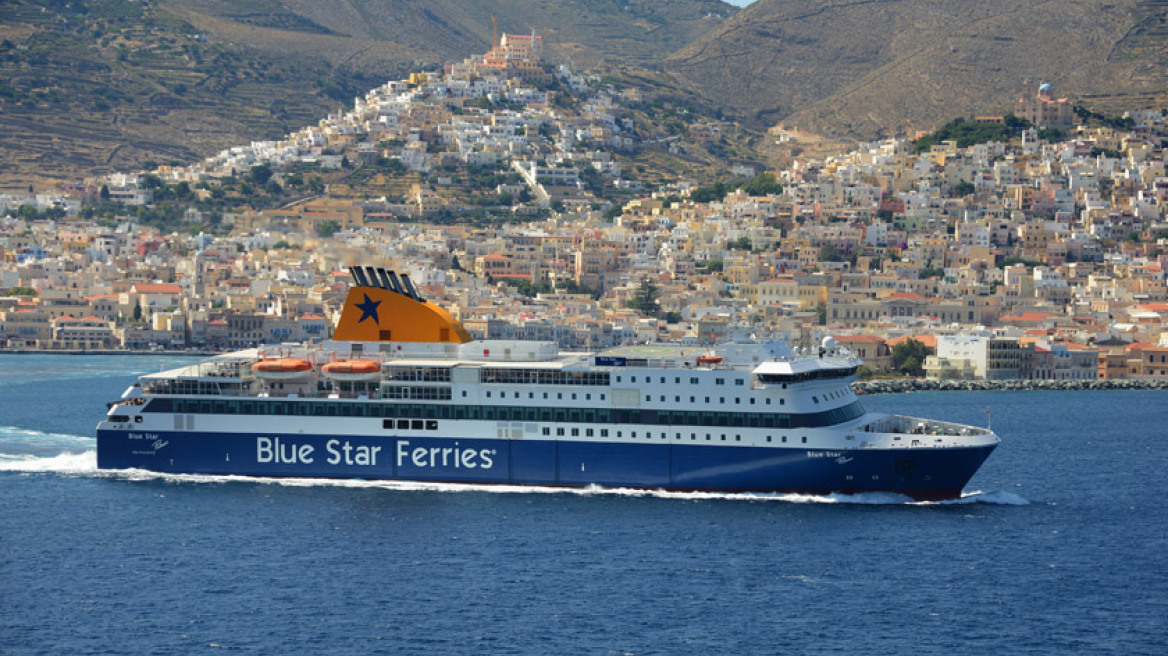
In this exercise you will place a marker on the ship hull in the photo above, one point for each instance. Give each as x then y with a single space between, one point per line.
923 474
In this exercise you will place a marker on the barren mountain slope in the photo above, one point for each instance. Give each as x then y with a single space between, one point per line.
867 67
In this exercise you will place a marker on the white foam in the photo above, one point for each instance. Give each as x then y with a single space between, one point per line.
999 498
15 435
62 463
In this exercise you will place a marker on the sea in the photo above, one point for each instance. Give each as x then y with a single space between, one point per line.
1059 546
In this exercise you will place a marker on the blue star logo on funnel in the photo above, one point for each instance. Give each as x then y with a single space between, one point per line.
368 310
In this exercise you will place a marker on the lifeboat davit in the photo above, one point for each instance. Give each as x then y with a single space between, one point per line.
282 368
352 370
709 359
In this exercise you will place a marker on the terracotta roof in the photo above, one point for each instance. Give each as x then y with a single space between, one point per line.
859 338
1035 316
1142 346
928 340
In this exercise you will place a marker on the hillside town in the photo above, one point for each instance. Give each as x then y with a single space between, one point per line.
1040 256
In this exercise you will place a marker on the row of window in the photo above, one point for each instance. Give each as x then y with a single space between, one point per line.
648 398
505 413
499 376
693 380
201 387
420 374
807 375
416 392
531 395
588 432
543 376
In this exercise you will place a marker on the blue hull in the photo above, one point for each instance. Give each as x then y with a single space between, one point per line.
925 474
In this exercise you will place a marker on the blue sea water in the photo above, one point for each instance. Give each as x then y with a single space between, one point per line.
1061 547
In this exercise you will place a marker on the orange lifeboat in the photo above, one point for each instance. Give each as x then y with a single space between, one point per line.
352 370
282 368
709 359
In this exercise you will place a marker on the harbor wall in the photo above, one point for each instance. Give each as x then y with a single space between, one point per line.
901 385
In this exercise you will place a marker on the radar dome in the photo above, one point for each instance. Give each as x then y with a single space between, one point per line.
828 343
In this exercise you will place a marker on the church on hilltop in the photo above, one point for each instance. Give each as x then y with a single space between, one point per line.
510 56
1046 111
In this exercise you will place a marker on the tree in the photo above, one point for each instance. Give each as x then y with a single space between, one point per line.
828 253
645 300
712 193
328 228
909 356
137 313
963 188
763 184
260 174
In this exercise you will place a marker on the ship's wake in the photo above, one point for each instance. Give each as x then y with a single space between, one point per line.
27 450
84 463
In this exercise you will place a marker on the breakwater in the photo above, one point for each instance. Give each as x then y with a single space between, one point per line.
901 385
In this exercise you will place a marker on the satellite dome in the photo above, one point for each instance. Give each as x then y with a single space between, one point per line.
1045 86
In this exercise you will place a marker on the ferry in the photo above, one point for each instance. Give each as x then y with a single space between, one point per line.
402 392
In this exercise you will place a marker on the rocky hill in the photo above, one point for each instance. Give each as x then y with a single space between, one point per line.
873 67
91 86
